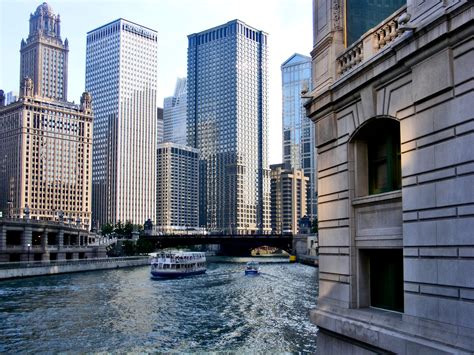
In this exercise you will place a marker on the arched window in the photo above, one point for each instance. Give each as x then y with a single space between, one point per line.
377 157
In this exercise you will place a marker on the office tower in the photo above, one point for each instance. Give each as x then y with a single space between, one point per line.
46 142
121 74
396 176
288 198
177 187
174 114
11 97
44 55
159 125
299 149
46 152
228 123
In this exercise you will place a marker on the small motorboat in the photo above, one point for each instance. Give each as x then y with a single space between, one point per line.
252 268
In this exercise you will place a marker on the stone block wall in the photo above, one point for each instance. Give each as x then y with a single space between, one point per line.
425 81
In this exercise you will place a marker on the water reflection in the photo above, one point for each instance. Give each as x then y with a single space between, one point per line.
125 310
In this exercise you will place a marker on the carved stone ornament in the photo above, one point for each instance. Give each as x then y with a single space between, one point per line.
86 101
337 14
27 87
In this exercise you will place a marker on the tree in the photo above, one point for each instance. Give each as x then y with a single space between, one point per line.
129 248
106 229
128 228
145 246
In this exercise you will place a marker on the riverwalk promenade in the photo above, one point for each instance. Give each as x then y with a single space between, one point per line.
37 268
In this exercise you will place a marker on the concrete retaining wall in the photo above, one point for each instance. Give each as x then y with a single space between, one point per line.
23 269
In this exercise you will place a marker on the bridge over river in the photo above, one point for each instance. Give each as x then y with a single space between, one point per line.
236 245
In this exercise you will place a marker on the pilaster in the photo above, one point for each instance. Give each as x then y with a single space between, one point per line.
3 237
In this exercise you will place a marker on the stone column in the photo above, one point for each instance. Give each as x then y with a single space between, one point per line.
60 243
3 237
44 240
26 238
61 238
44 246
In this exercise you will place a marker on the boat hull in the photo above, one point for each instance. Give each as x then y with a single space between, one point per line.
175 275
251 272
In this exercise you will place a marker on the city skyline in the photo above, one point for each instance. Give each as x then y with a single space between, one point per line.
287 22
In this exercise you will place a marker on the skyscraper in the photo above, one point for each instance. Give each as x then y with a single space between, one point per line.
288 202
228 122
44 56
11 97
46 142
174 114
121 74
299 148
177 187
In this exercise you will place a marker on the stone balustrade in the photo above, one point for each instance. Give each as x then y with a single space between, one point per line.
370 44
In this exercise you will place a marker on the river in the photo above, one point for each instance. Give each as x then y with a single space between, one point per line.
123 310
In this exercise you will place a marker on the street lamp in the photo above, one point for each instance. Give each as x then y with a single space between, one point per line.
29 246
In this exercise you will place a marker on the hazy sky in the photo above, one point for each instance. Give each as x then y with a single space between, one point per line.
288 23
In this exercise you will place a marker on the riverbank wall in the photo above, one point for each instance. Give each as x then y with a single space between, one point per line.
39 268
305 248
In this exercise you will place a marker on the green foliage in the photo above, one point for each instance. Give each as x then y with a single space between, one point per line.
106 229
121 229
145 246
129 248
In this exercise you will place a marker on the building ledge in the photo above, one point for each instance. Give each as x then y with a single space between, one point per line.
393 331
386 196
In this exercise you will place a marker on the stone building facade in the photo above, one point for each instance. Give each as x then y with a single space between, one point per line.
46 160
45 141
44 55
394 122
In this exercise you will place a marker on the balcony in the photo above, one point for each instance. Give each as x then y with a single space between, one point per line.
371 43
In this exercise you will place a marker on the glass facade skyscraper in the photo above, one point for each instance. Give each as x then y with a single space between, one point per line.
121 74
174 114
299 145
365 14
228 122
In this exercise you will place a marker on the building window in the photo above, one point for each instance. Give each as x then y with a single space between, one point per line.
380 281
386 279
376 156
384 161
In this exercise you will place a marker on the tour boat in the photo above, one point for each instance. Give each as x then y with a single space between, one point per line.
252 268
178 264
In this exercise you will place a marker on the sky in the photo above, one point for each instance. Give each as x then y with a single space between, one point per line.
288 23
